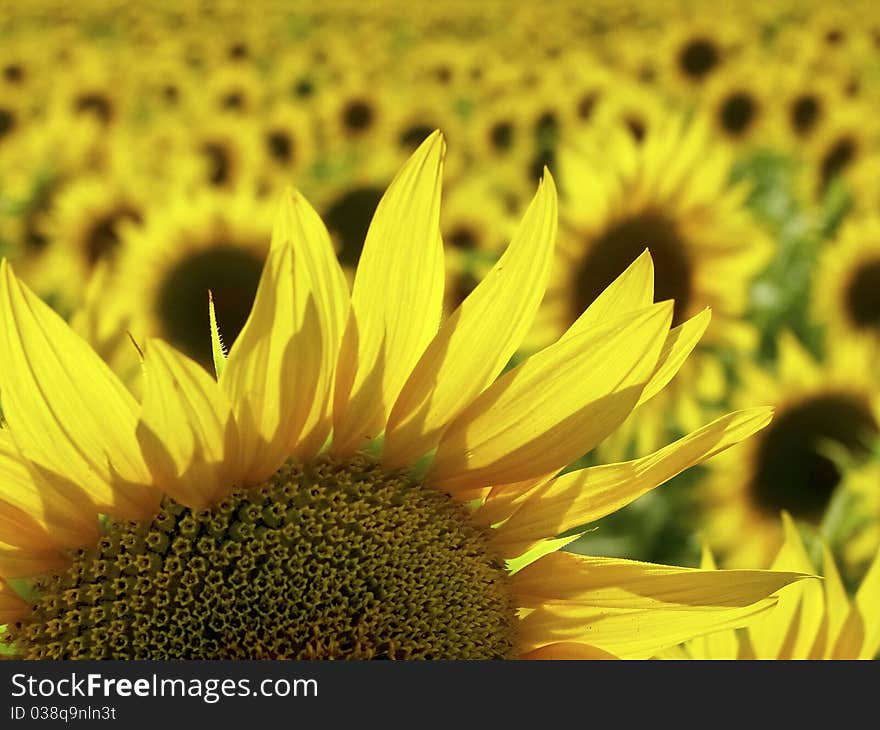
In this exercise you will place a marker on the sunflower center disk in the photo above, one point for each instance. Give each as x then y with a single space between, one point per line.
863 296
794 469
333 560
619 245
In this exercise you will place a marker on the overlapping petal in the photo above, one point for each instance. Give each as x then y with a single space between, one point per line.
187 431
66 410
554 407
477 341
579 497
396 301
632 609
280 371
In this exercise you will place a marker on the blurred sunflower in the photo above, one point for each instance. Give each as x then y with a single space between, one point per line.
843 142
289 142
811 621
233 90
827 416
694 49
847 294
355 112
85 228
218 544
669 194
206 242
222 153
737 101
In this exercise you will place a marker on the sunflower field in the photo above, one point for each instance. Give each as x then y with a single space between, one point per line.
268 393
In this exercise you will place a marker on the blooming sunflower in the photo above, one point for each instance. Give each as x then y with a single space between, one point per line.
826 415
236 526
669 193
848 281
810 621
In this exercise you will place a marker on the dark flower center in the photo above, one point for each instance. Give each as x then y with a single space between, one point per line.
863 296
102 239
804 113
737 113
231 271
793 470
619 245
358 116
698 57
348 219
328 561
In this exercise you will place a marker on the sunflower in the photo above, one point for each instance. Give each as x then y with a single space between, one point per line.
355 112
845 141
230 532
85 227
805 104
737 101
826 415
811 620
208 241
848 281
232 91
289 141
696 49
670 194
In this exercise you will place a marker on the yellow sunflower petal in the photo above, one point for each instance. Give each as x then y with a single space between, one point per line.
790 630
837 604
187 433
554 407
634 610
12 607
679 344
66 409
567 650
35 512
476 342
868 604
583 496
18 563
720 644
396 301
278 374
633 289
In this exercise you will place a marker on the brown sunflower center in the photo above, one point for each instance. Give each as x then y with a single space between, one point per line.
804 114
619 245
102 238
7 122
96 104
414 135
219 161
793 468
14 73
738 111
501 136
329 561
698 57
231 271
358 116
464 237
348 219
280 146
863 296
